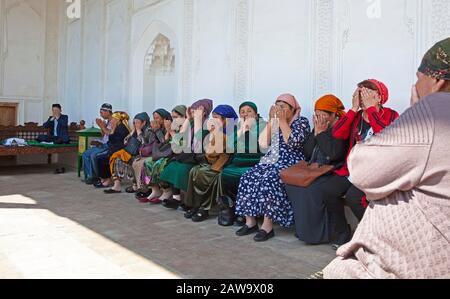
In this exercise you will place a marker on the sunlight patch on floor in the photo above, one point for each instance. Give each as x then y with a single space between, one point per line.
36 243
17 199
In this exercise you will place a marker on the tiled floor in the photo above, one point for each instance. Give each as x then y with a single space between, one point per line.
53 226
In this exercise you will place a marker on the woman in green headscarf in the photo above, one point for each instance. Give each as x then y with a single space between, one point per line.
246 156
176 174
153 167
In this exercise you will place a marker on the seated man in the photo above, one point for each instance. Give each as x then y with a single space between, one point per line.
59 127
98 146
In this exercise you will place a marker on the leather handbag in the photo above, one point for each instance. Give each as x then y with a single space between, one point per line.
161 150
146 150
304 174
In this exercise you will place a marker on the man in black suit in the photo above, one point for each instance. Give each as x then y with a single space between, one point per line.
59 127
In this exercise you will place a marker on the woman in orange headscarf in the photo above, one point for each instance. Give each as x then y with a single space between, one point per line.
310 213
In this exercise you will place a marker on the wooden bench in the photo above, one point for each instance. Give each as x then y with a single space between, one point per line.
29 132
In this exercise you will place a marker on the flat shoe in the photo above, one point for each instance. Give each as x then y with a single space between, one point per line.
130 190
154 201
171 203
143 200
245 231
200 216
190 213
263 236
111 191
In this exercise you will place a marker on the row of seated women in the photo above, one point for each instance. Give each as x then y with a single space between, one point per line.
236 174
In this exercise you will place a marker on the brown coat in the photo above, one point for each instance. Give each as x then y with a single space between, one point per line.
405 173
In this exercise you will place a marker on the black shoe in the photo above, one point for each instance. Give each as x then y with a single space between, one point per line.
240 221
190 213
263 236
111 191
342 238
245 231
171 203
99 185
130 190
200 216
141 194
89 181
183 207
60 170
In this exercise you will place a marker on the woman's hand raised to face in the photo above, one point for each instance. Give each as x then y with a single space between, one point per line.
168 125
321 124
414 96
356 101
155 125
370 98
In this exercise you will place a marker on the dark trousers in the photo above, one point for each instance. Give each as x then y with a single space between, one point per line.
340 192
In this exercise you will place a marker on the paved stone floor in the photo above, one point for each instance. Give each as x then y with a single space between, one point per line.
53 226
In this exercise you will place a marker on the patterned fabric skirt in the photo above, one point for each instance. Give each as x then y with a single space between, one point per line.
262 193
120 163
152 170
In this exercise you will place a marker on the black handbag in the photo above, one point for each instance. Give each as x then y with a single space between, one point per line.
226 211
133 146
161 150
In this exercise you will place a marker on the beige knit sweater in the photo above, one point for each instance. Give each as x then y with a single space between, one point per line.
405 173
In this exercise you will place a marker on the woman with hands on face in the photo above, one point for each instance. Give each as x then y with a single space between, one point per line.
261 192
310 212
367 117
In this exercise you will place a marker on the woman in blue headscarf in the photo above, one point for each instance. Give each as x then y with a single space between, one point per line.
203 186
247 155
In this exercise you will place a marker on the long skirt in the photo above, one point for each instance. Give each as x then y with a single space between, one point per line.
203 188
262 193
138 167
229 180
177 175
121 166
310 212
151 173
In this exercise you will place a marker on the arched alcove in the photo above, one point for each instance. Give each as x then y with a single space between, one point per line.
160 79
155 72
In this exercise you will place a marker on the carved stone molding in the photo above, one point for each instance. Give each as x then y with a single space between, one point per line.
2 39
188 36
440 20
242 51
322 47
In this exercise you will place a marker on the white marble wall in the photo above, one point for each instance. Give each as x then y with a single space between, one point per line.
227 50
28 55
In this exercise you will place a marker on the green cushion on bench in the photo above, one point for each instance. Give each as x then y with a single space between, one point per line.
37 144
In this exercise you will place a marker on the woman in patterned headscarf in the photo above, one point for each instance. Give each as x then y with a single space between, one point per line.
405 173
120 162
119 131
261 192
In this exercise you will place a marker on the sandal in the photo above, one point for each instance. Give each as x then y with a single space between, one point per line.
200 216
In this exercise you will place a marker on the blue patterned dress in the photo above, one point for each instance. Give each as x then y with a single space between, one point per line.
261 191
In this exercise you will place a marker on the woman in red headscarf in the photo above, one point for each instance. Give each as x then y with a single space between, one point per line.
367 117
